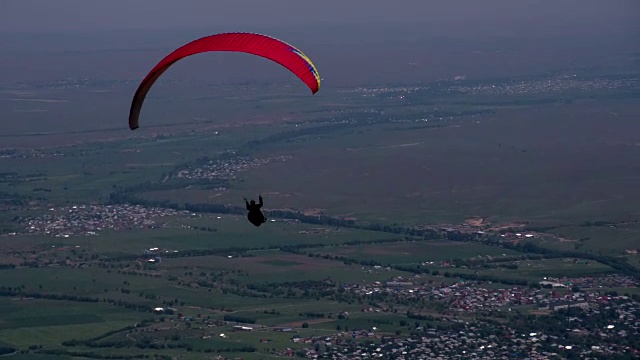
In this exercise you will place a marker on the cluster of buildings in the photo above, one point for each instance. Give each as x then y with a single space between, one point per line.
532 86
554 84
581 338
367 91
592 282
468 296
30 153
91 219
596 333
469 342
226 169
77 83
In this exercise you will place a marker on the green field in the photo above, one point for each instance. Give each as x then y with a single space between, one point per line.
416 252
539 269
603 240
46 322
180 234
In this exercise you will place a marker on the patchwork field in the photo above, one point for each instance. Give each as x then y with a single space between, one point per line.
350 186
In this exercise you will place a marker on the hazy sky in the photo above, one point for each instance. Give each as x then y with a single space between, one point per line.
351 41
337 33
87 15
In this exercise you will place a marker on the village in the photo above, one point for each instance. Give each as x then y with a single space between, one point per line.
586 324
588 333
90 220
477 341
570 82
225 169
470 296
552 84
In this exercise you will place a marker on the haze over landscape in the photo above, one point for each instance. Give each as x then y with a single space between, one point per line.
463 185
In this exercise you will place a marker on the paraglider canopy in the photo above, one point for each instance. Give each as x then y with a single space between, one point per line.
256 44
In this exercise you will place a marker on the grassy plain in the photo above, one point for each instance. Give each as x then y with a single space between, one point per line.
549 165
537 270
412 253
49 322
85 173
507 168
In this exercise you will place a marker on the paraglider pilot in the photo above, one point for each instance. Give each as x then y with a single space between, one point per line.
255 216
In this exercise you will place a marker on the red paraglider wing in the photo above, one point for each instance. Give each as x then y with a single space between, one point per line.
257 44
